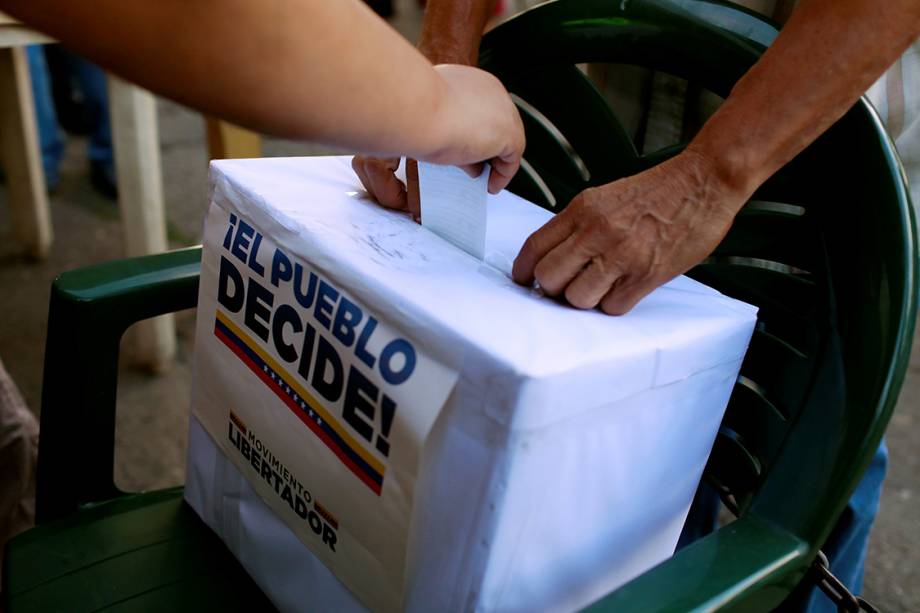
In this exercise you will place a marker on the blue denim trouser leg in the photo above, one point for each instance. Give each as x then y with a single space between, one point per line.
92 83
847 544
50 138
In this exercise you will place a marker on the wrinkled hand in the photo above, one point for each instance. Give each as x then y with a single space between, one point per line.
616 243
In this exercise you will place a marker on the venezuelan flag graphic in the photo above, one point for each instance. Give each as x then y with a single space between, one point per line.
301 403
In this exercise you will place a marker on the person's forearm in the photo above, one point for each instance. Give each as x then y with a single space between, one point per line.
827 55
310 69
452 29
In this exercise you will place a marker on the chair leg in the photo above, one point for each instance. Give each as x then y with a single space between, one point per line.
135 139
30 216
226 141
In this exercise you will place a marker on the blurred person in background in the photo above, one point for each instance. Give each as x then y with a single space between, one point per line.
18 457
71 93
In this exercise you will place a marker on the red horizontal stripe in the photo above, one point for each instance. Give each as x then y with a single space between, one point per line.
273 385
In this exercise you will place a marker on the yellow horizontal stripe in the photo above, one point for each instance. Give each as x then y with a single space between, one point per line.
303 393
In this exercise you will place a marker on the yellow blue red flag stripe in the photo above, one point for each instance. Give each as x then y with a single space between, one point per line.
301 403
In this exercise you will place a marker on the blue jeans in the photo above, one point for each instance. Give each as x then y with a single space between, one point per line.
91 82
847 544
50 138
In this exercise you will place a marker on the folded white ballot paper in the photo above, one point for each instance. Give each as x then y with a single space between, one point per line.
381 421
454 205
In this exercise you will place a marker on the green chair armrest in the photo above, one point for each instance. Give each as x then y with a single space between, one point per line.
716 570
90 309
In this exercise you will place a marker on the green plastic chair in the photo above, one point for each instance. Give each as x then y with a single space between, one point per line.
831 264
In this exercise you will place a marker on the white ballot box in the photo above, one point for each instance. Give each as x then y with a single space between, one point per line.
383 421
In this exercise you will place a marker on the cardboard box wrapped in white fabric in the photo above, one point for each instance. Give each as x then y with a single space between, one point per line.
382 421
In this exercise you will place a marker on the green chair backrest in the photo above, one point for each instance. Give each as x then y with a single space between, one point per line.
826 249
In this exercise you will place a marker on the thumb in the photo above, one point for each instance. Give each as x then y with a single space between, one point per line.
503 170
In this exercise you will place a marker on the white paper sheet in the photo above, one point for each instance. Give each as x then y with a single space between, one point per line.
454 205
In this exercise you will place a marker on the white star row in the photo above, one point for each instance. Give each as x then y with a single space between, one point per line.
291 392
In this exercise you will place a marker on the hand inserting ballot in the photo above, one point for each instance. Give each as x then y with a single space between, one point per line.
613 244
378 175
482 123
494 134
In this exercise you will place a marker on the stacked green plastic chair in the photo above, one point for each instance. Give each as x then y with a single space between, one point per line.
826 249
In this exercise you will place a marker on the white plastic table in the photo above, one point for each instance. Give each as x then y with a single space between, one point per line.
137 162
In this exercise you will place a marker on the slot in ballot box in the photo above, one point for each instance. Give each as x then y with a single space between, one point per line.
382 421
